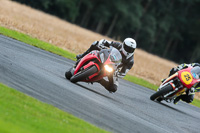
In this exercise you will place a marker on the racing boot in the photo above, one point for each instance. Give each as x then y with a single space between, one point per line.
107 86
177 99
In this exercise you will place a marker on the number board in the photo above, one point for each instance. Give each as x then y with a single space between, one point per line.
186 77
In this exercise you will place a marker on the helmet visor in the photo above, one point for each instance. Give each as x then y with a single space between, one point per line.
128 49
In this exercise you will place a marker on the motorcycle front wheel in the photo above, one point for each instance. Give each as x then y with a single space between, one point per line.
82 75
157 96
68 74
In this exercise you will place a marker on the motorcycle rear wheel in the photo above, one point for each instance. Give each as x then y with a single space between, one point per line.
82 75
163 91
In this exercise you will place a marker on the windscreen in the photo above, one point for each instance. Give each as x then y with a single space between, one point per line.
113 53
196 72
115 56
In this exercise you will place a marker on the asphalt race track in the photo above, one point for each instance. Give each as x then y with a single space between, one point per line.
40 74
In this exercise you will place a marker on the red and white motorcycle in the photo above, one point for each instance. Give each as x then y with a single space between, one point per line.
95 65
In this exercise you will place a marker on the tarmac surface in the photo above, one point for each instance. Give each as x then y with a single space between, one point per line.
40 74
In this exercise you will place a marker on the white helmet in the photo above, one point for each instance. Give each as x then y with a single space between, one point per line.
128 47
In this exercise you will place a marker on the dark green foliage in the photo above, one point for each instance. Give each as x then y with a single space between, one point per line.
168 28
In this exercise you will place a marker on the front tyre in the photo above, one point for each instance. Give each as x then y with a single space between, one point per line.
82 75
166 89
68 74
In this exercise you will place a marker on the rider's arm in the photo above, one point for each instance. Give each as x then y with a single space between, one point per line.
125 69
117 45
195 64
179 67
184 65
107 43
123 72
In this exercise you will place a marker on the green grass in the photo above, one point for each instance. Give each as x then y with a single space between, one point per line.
196 103
20 113
37 43
52 48
140 81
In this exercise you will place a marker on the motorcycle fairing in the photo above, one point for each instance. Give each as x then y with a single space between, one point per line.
85 59
186 77
92 64
168 79
92 78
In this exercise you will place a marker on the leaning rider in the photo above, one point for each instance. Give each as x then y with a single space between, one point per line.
189 96
126 49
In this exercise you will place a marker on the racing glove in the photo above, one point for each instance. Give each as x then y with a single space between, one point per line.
104 42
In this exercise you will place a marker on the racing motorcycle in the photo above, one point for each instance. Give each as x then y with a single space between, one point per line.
177 84
95 65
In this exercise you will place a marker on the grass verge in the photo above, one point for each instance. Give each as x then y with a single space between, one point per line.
20 113
140 81
37 43
52 48
196 103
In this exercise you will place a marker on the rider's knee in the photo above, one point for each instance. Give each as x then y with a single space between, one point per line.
188 98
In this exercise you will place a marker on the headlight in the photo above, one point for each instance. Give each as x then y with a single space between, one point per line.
108 68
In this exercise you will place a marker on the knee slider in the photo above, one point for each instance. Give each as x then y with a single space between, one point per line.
189 100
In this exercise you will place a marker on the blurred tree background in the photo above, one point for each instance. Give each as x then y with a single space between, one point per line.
167 28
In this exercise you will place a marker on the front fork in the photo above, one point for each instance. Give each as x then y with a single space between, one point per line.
175 93
176 85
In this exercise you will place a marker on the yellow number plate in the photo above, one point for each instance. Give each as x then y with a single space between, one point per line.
186 77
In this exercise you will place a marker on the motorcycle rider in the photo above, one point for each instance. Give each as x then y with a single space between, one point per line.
189 96
126 49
